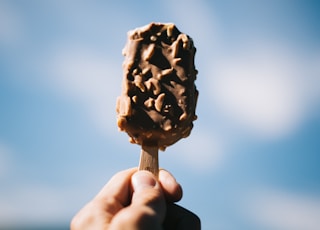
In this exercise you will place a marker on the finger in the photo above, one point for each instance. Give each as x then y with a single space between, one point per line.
171 188
113 197
148 207
179 218
115 194
147 191
118 187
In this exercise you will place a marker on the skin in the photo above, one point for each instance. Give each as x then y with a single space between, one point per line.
136 200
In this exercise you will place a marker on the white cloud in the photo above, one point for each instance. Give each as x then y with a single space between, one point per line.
201 152
263 90
29 203
33 204
92 79
284 211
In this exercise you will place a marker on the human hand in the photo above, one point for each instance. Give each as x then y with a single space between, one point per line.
137 200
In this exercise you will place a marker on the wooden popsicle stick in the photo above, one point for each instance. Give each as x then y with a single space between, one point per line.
149 159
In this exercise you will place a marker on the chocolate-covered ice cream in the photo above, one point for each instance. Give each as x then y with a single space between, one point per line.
158 100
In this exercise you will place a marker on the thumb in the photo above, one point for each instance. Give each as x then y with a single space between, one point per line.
148 207
143 180
148 192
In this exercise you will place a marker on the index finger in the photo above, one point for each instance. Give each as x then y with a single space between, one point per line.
171 188
117 189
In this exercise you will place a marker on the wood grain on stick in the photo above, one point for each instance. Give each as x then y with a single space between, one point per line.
149 159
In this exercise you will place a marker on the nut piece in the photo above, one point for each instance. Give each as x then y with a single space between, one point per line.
159 102
149 102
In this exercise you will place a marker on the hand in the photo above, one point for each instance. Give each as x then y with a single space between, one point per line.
136 200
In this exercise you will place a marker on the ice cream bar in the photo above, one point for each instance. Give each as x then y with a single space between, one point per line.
158 100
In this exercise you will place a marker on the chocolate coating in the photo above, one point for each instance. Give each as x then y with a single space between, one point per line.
158 100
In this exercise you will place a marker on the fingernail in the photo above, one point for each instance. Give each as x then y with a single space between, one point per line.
142 180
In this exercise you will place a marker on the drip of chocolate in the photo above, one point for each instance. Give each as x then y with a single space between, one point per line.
158 100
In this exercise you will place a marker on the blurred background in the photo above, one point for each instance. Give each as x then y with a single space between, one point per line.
252 159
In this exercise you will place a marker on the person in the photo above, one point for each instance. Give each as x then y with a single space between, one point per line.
135 199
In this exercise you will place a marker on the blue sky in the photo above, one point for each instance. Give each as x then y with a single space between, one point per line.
252 159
